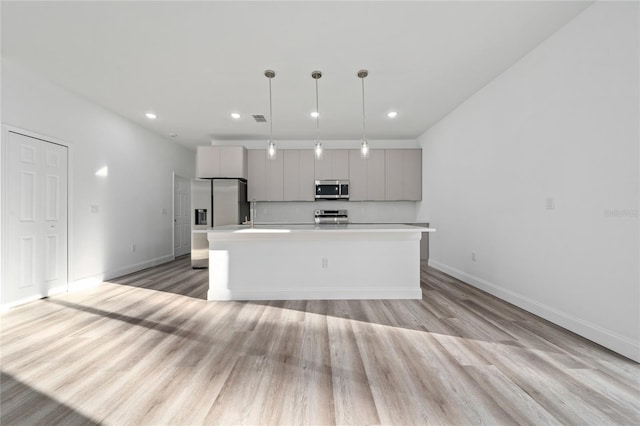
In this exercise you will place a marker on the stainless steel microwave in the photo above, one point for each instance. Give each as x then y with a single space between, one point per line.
332 190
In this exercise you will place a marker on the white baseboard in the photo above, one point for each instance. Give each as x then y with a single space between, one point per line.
92 281
138 267
86 282
312 294
15 303
611 340
51 292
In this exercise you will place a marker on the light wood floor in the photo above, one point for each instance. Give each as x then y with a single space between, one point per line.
148 349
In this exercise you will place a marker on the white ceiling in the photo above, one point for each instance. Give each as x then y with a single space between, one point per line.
193 63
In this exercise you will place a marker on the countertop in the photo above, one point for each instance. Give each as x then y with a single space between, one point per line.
303 228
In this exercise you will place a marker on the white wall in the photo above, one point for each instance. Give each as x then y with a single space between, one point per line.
130 199
562 123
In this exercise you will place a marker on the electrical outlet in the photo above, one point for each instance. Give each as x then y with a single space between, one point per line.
133 248
163 211
325 263
550 203
473 256
95 208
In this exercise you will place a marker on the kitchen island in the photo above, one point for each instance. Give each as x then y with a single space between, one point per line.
296 262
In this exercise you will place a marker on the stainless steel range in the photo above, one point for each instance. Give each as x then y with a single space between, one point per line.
335 217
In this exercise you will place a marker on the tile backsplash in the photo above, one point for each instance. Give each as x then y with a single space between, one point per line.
359 211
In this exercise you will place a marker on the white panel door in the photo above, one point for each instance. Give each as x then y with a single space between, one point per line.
181 218
35 209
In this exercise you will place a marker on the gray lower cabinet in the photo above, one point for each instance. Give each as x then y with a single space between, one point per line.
299 173
367 177
403 177
266 177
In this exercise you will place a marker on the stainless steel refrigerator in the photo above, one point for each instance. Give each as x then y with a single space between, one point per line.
214 202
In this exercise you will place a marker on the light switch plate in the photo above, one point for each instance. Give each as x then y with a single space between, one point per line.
550 203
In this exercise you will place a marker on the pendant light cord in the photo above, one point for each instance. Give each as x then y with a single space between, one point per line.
363 125
317 113
270 114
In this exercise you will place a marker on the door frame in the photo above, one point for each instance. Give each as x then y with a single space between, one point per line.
4 136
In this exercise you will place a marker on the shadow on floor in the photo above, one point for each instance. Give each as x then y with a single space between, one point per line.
18 401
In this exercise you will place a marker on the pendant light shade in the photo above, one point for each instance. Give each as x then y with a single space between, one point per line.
317 149
364 143
271 147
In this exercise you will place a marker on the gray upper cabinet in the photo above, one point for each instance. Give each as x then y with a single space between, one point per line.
412 174
221 162
376 171
256 184
266 177
367 177
298 175
403 177
274 178
388 174
334 165
394 174
357 176
207 161
233 162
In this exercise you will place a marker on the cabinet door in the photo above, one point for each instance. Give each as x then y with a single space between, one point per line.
394 174
257 173
306 179
340 164
334 165
298 175
233 162
207 162
291 186
275 179
412 179
357 176
322 168
375 174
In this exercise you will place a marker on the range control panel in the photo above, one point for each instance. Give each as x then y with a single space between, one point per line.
331 217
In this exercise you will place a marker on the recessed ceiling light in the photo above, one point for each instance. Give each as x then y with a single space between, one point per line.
151 116
235 115
315 114
173 135
392 114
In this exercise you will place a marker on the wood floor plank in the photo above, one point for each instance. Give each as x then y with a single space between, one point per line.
353 400
510 397
147 348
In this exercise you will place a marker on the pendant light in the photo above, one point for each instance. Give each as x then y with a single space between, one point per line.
271 148
364 144
317 149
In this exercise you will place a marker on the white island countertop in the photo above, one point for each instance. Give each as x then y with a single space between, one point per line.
325 228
